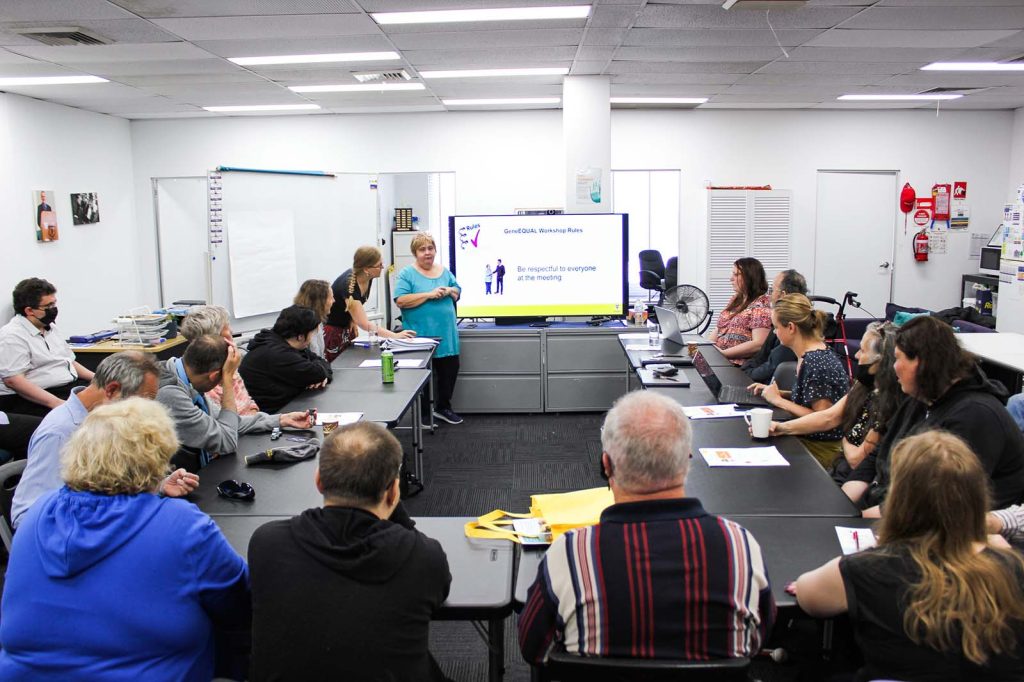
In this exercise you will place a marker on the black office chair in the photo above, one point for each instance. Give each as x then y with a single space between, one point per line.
568 667
671 272
10 475
652 272
785 375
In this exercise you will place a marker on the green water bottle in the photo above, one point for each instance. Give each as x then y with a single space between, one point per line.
387 367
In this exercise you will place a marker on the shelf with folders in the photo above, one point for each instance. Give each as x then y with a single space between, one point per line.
140 326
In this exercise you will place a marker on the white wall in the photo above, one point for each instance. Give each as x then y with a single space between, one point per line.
502 160
506 160
786 148
95 267
1010 308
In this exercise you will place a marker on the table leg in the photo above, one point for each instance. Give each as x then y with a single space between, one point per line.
417 437
433 424
496 650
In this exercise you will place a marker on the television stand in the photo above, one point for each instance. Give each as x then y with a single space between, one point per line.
532 320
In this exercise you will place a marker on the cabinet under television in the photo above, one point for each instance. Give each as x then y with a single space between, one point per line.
567 367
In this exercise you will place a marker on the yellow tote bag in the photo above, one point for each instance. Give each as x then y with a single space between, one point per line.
559 511
565 511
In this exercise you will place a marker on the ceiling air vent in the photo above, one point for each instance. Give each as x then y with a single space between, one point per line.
953 91
382 76
62 35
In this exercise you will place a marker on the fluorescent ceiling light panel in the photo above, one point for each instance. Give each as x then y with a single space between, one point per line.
52 80
496 73
504 100
316 58
264 107
659 100
896 98
493 14
368 87
973 66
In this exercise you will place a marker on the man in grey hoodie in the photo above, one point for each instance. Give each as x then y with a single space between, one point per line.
204 430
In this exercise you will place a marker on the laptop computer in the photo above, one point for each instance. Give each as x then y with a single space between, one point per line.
670 329
733 394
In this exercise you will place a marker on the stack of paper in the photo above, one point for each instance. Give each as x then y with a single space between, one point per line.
406 345
744 457
712 411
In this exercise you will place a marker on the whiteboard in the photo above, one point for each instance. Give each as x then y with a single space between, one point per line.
330 216
263 272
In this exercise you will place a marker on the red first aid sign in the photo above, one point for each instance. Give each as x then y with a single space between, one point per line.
922 217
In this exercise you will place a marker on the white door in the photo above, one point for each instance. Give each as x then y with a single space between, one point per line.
182 239
854 237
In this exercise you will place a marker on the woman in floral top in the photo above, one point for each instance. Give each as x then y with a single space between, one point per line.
744 324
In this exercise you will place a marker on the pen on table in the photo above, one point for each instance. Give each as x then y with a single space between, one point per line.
856 540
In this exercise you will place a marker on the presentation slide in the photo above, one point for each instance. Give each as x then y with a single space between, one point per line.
544 265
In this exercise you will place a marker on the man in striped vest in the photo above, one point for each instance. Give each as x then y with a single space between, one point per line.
658 577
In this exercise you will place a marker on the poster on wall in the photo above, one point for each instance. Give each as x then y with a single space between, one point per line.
588 186
46 216
85 208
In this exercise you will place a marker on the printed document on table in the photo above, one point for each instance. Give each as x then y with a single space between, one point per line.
634 336
645 346
853 540
401 363
341 417
744 457
713 411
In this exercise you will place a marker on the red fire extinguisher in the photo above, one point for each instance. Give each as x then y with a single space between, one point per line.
921 246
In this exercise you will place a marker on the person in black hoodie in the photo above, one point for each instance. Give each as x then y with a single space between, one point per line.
945 389
341 592
279 364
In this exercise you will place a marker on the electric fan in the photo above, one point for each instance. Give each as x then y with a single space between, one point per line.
690 305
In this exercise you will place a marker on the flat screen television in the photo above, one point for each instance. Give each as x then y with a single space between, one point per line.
554 265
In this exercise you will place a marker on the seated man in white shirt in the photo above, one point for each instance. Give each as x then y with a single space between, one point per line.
37 368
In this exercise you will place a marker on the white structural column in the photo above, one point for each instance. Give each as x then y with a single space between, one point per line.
586 135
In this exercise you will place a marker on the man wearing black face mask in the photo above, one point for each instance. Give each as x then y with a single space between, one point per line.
37 368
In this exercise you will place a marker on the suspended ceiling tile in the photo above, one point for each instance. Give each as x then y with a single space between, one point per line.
413 109
714 17
670 37
925 55
155 82
901 39
948 3
967 16
613 16
551 37
665 90
766 97
59 10
83 92
198 67
841 68
87 54
757 105
122 31
596 54
604 36
295 26
166 9
678 78
697 54
333 99
260 47
226 91
320 76
808 79
496 58
954 79
624 66
37 69
491 90
783 92
582 68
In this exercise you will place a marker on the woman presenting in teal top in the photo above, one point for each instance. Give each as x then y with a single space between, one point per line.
426 292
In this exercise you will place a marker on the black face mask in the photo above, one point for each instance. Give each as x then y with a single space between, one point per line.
863 375
48 318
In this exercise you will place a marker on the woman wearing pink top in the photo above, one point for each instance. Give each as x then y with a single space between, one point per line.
744 324
212 320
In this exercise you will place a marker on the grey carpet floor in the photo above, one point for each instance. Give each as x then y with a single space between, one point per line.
497 462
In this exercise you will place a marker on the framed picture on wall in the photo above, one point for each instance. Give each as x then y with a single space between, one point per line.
46 216
85 208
